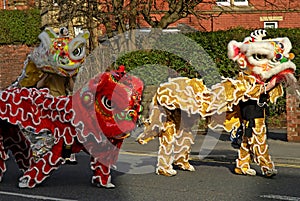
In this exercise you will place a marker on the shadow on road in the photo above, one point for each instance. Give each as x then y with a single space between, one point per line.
277 135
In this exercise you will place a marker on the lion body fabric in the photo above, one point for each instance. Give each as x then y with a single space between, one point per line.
179 103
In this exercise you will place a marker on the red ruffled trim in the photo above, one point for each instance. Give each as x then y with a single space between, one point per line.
39 110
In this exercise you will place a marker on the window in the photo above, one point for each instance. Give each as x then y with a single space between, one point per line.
223 2
270 25
240 2
55 3
235 2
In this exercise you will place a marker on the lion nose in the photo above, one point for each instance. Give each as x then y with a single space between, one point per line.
287 57
131 114
291 56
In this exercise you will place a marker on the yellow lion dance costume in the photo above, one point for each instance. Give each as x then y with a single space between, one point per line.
264 64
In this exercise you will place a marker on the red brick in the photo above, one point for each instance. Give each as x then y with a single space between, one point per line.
293 119
12 65
294 138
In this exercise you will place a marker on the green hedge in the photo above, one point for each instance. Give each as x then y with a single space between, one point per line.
20 27
213 43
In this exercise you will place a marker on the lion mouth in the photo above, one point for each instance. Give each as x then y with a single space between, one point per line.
286 76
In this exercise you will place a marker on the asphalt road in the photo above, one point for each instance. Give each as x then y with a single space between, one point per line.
212 180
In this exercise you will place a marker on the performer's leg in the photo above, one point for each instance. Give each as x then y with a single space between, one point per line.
69 156
42 168
72 160
182 149
102 177
260 149
107 156
244 158
3 157
20 147
12 139
166 150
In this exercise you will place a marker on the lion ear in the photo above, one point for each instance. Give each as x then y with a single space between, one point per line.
47 36
85 34
50 33
234 49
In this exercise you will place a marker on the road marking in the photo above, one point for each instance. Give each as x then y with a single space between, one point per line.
281 197
287 165
34 196
137 154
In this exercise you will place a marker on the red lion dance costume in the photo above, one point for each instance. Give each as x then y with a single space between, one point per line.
264 64
96 119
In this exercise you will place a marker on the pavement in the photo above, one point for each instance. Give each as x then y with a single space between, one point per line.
281 150
216 146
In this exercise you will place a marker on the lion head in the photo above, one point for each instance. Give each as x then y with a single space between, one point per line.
115 99
265 59
60 53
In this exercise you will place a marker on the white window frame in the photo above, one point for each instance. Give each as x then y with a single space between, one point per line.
54 2
266 26
223 3
241 3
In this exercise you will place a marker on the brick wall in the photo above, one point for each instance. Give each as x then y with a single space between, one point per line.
293 118
248 20
11 62
16 4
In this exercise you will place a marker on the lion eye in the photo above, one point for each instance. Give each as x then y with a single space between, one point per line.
77 52
259 56
281 45
106 103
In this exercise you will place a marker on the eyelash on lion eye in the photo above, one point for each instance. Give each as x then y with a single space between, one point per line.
274 60
259 56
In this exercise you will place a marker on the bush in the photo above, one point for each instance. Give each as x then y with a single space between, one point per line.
20 26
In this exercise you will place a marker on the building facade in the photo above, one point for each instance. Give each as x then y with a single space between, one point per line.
214 15
249 14
16 4
210 15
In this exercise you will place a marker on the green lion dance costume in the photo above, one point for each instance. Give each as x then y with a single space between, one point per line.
264 65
